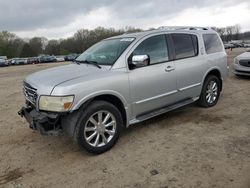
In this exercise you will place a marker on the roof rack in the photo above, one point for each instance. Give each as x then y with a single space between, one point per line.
182 28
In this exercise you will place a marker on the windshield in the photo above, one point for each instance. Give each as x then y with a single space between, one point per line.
105 52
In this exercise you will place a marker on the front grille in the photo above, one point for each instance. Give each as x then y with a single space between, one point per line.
245 63
30 93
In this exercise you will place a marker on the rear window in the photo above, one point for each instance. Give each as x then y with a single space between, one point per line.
185 45
212 43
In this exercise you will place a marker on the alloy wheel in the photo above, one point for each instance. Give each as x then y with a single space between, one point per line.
212 92
100 128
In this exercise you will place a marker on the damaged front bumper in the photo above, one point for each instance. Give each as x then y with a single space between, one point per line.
44 122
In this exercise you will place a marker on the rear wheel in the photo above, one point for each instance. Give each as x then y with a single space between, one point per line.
210 92
99 127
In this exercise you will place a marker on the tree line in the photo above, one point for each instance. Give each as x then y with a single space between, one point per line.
232 33
13 46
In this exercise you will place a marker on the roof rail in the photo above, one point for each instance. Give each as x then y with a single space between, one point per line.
182 28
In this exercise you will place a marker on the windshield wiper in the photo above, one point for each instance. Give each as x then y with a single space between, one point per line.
75 61
88 62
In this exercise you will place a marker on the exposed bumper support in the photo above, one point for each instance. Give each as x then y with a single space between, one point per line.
45 123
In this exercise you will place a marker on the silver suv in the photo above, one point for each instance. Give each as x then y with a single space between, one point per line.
124 80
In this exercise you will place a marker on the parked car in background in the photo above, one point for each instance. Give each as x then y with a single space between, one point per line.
9 61
246 45
229 45
241 45
125 80
3 62
32 60
237 45
60 58
53 58
71 57
18 61
3 57
46 59
241 65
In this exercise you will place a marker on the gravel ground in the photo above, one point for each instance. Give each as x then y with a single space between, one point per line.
188 147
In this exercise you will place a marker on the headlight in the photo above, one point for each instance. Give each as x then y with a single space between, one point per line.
236 61
55 103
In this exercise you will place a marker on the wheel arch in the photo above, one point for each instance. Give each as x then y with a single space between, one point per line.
110 96
216 72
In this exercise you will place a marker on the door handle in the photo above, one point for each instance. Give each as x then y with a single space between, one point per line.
169 68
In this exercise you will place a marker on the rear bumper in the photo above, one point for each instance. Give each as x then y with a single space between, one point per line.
45 123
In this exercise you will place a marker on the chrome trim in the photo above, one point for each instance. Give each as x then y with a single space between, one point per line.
30 93
164 110
156 97
29 88
190 86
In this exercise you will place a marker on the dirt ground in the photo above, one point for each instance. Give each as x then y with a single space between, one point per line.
189 147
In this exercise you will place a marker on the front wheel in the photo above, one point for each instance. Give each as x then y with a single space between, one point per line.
210 92
99 127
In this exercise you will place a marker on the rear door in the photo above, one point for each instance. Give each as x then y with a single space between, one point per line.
189 64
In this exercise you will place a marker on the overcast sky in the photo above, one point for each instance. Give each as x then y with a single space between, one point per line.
62 18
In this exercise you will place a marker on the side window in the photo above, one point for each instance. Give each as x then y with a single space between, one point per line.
212 43
185 45
155 47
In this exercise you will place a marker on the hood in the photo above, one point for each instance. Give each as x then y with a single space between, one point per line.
245 55
44 81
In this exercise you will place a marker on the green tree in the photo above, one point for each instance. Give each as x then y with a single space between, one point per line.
53 47
38 44
27 51
10 44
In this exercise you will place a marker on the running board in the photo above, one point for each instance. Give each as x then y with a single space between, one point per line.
163 110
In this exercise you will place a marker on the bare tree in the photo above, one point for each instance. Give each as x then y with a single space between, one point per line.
237 29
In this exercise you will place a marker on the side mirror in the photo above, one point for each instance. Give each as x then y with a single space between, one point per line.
140 60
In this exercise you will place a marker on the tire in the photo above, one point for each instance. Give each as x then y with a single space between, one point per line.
94 132
211 87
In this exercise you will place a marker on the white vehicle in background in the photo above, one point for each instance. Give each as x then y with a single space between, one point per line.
60 58
241 64
3 57
3 62
246 45
228 46
18 61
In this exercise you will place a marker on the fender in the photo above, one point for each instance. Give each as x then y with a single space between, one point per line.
96 94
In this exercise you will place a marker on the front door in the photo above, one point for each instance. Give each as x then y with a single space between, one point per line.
153 86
